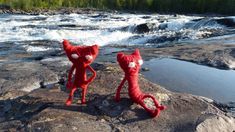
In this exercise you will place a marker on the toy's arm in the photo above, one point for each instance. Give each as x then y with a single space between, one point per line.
117 97
93 72
69 83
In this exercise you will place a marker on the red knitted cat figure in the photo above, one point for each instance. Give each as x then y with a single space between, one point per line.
81 57
130 64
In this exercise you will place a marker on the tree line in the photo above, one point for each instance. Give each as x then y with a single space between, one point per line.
159 6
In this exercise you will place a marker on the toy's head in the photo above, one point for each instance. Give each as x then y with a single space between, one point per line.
130 63
84 55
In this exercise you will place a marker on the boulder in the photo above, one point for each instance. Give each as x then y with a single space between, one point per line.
141 28
229 22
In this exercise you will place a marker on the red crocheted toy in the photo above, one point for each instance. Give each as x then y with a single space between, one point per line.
130 64
81 57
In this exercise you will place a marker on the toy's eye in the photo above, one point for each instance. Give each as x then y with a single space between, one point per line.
74 56
131 64
89 57
140 62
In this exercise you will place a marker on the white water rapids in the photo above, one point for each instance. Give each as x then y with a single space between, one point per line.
107 29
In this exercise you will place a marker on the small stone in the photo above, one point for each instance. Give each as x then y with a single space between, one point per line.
102 120
60 125
149 103
145 69
61 81
105 103
42 85
119 129
162 97
118 107
74 128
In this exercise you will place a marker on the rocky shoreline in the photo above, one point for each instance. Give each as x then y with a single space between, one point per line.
5 9
213 55
33 92
8 10
43 109
221 56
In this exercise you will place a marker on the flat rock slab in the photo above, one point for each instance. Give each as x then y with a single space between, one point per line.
217 124
218 56
25 76
44 109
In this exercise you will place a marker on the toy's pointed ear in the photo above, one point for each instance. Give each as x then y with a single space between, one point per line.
120 55
136 52
95 49
96 46
66 44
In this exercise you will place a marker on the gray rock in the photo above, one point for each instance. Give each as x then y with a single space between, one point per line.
44 109
217 124
214 55
162 26
145 69
25 76
142 28
229 22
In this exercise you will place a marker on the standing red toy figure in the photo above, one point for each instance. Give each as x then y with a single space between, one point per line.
130 64
81 57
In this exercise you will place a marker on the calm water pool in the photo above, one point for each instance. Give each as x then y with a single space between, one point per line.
181 76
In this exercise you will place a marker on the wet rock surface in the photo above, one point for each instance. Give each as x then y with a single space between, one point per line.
21 69
44 110
33 94
25 76
229 22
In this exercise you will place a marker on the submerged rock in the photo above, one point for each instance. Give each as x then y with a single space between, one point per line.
229 22
142 28
139 28
162 26
145 69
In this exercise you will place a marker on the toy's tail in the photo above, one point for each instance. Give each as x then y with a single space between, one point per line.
158 108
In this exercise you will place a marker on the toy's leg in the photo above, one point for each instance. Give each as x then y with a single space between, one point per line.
84 91
155 112
118 92
70 99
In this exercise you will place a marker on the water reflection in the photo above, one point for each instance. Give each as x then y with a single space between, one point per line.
191 78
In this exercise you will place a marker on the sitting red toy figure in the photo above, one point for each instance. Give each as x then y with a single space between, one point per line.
81 57
130 64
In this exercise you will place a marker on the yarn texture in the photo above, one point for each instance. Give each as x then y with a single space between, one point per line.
131 64
81 58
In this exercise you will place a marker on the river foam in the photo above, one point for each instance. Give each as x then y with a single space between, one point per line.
107 29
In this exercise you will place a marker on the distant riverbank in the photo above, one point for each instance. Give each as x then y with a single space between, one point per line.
225 7
50 11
